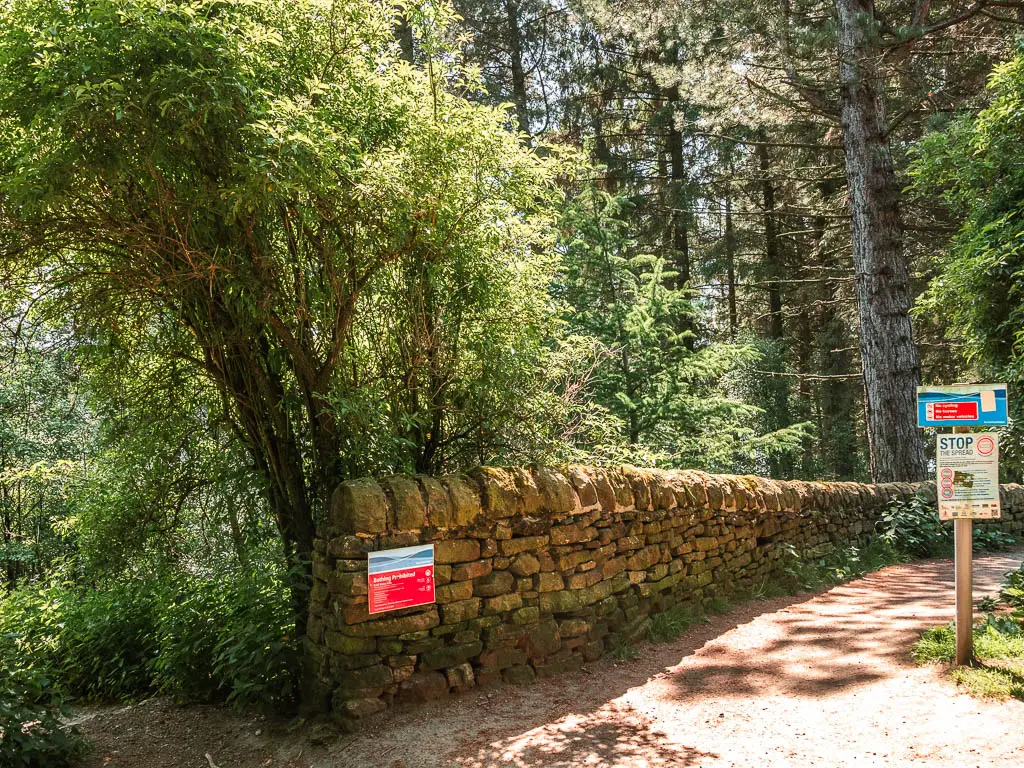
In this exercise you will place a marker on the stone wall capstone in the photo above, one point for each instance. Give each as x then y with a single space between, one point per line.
541 570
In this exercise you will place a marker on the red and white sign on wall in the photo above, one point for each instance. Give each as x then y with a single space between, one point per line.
401 578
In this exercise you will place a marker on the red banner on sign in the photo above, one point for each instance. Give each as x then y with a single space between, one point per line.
401 589
953 411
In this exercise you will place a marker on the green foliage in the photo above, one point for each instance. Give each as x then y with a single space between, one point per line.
914 527
998 645
717 605
95 645
990 682
768 589
991 540
107 644
233 637
227 636
670 624
670 397
311 261
31 732
836 565
974 166
622 650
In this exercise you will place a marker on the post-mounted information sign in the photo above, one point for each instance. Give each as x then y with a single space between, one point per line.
975 405
401 578
967 476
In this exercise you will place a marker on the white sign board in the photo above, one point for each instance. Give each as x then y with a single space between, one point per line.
968 475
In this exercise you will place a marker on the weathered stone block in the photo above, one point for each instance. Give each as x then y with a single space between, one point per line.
460 678
519 675
525 564
494 583
455 591
565 534
573 627
527 615
351 584
456 551
463 610
359 506
586 491
464 500
498 492
395 625
469 571
347 644
502 604
503 657
511 547
583 580
376 676
556 492
424 686
408 510
549 582
450 655
542 640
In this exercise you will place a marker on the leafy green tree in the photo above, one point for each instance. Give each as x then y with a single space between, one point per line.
46 438
247 182
975 168
673 402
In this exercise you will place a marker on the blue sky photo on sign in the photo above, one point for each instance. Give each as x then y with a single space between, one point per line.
978 405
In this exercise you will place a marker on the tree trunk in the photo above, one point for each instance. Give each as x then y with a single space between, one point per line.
772 251
889 358
515 49
403 34
678 205
730 264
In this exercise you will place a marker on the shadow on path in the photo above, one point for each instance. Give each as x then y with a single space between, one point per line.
683 703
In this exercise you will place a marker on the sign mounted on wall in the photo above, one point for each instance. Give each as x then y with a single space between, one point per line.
401 578
974 405
967 467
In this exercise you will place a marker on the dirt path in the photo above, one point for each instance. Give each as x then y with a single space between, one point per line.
813 680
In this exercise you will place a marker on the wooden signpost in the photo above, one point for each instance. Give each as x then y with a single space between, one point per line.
966 479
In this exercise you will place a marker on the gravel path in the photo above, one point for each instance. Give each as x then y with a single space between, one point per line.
821 680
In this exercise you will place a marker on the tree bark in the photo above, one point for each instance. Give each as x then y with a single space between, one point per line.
772 251
515 48
403 34
730 264
889 357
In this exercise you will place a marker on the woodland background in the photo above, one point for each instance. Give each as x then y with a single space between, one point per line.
250 250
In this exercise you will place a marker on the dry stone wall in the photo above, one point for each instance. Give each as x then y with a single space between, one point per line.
541 570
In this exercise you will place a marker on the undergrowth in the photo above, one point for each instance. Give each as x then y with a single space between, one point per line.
198 639
913 528
670 624
835 566
998 646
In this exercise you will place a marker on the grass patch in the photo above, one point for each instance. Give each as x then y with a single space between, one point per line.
670 624
997 638
622 650
768 589
717 605
999 648
989 682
